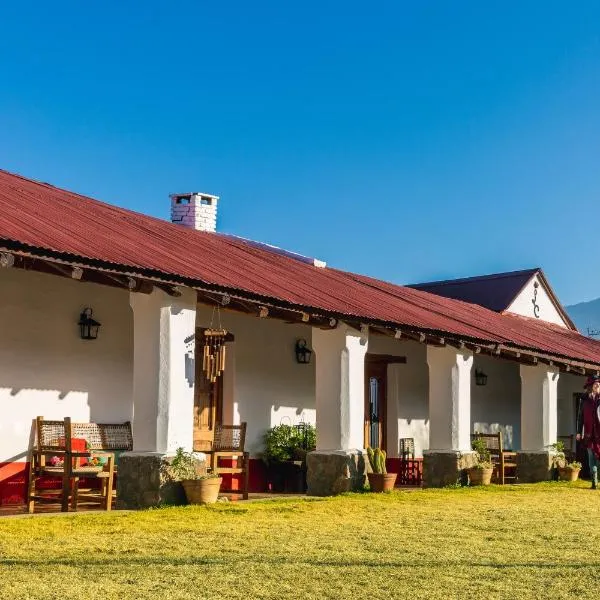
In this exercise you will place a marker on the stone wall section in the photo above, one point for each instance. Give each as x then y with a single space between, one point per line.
441 469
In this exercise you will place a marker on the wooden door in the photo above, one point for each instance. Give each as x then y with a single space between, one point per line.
208 402
375 403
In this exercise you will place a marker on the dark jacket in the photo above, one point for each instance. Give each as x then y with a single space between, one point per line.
588 422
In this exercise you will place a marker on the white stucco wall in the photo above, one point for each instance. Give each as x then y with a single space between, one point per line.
265 386
46 368
523 303
497 405
407 393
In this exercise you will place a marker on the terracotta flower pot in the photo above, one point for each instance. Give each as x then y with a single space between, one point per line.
381 482
480 476
202 491
568 473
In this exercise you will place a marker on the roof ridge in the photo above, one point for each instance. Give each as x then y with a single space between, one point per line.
477 277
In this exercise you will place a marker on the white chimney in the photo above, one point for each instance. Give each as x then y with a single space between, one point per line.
195 210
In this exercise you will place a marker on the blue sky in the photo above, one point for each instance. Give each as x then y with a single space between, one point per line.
409 141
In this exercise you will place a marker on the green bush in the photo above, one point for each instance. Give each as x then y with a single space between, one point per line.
286 442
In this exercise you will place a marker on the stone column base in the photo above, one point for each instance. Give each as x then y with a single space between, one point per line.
331 472
534 466
142 482
446 467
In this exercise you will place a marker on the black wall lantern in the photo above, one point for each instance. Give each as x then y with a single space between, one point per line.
88 326
303 353
480 377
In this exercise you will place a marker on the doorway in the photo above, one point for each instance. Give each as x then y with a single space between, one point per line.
376 400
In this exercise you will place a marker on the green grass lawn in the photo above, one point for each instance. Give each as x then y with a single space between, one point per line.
526 541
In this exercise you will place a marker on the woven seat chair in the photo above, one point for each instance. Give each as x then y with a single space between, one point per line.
101 439
504 461
53 456
228 444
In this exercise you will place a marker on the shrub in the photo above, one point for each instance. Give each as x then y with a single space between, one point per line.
286 442
484 460
184 466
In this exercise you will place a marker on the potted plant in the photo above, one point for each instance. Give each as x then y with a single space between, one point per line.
199 488
570 471
481 473
566 471
285 452
379 479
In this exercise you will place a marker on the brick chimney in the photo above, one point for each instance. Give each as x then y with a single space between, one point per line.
195 210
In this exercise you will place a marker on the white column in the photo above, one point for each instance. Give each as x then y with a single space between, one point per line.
163 371
340 387
539 392
449 399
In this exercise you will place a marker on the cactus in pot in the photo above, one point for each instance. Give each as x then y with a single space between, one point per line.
379 480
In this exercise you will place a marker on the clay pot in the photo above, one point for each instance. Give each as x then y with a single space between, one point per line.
381 482
480 476
568 473
202 491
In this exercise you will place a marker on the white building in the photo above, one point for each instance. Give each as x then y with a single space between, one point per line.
390 362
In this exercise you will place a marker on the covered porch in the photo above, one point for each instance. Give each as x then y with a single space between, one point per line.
365 385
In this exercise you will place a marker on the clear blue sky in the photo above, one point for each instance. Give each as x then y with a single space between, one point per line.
410 141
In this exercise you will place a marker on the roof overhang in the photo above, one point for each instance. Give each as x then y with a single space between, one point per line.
142 281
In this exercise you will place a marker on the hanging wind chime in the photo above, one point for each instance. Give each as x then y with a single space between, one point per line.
213 361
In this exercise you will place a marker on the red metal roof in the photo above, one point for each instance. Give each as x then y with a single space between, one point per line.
39 217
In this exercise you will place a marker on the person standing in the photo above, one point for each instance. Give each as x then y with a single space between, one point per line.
588 425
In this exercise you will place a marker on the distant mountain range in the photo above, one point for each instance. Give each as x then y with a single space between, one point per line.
586 315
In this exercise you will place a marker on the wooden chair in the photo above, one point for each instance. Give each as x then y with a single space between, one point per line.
406 454
54 456
406 448
102 439
228 444
504 461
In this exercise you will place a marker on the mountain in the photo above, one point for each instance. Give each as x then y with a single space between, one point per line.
586 316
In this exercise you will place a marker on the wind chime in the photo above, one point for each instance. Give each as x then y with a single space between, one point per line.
213 361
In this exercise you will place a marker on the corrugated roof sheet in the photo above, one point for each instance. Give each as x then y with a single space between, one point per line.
42 217
496 291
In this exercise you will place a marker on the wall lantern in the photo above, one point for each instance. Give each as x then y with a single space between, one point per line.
303 353
88 326
480 377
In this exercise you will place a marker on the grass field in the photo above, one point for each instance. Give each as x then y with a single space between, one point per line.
512 542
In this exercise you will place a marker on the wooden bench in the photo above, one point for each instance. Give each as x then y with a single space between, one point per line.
60 450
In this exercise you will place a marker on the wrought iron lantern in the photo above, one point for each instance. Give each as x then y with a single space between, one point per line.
480 377
88 326
303 352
